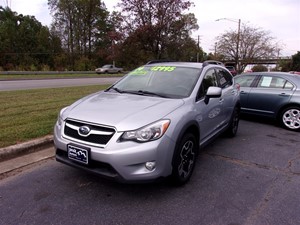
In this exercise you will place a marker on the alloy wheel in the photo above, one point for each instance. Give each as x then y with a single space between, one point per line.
291 118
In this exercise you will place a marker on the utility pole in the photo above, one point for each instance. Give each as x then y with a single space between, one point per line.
198 50
237 46
216 44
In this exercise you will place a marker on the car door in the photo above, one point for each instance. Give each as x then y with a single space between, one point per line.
110 69
270 93
246 83
209 116
229 93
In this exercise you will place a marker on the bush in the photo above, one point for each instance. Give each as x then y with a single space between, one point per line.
259 68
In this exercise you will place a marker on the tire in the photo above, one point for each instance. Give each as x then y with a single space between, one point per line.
234 123
290 118
184 159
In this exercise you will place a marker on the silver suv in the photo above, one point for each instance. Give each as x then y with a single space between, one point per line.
151 123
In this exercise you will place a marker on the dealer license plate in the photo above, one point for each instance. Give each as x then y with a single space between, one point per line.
78 154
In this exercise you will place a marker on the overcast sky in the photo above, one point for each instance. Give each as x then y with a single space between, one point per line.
279 17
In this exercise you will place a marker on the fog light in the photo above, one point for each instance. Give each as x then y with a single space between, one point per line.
150 166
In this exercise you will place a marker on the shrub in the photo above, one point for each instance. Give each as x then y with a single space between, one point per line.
259 68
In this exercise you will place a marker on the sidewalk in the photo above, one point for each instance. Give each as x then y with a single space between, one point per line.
20 155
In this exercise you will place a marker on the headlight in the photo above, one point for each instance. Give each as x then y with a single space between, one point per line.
59 118
148 133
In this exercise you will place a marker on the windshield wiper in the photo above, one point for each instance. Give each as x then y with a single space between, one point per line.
141 92
115 89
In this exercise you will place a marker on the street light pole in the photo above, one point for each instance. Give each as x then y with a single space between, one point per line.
238 39
237 46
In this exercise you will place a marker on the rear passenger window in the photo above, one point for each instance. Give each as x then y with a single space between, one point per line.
274 82
288 86
224 78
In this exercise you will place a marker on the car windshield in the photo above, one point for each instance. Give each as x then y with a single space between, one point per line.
106 66
164 81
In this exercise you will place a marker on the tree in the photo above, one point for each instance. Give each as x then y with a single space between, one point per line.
108 44
25 43
259 68
253 43
295 62
8 39
158 29
80 24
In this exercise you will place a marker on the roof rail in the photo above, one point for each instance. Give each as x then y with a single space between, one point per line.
160 61
209 62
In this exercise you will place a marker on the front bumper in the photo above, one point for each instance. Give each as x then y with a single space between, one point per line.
122 161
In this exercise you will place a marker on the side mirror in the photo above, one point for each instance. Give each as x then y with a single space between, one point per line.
212 92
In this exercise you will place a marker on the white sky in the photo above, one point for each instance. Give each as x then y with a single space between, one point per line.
279 17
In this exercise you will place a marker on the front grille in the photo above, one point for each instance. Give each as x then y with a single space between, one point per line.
99 135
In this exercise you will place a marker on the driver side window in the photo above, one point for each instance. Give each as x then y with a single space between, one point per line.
210 79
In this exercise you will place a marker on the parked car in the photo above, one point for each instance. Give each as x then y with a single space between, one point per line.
109 69
272 94
295 72
150 124
232 70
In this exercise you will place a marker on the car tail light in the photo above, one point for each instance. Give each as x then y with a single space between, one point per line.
238 86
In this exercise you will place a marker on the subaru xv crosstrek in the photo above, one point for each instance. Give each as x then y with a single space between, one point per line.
151 123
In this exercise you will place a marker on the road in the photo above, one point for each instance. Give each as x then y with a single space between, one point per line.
252 179
54 83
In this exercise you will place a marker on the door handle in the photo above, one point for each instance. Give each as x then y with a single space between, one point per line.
284 95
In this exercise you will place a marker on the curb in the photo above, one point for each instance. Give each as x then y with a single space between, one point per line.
26 147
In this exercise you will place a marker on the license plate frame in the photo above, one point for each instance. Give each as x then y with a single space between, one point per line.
78 154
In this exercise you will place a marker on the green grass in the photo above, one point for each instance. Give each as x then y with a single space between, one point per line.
54 76
30 114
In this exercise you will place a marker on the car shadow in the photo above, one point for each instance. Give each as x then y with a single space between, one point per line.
259 119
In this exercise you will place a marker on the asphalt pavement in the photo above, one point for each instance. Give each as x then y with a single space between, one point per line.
251 179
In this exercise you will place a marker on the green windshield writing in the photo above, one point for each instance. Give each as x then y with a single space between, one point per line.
163 68
139 71
143 71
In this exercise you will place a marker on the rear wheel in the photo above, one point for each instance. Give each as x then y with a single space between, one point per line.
290 118
234 123
184 159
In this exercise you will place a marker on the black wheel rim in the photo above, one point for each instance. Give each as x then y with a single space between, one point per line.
187 158
235 122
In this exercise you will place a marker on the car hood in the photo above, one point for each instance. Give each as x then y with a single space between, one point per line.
122 111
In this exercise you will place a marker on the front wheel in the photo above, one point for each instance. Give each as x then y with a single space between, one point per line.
290 118
184 159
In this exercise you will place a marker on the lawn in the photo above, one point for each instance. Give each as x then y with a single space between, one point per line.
29 114
54 76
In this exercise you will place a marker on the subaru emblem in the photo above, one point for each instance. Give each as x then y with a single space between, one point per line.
84 130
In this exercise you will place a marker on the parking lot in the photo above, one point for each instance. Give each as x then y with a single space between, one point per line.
253 178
